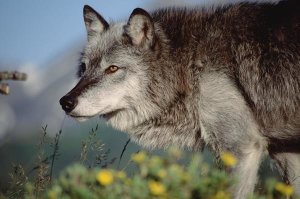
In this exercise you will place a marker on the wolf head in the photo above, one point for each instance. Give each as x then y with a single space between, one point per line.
116 71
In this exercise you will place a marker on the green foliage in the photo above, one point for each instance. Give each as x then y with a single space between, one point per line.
93 151
155 177
18 181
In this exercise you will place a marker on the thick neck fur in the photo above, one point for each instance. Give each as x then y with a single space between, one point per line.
177 123
184 49
195 41
176 119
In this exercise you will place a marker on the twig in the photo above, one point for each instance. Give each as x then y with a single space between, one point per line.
4 89
15 75
5 75
55 152
122 153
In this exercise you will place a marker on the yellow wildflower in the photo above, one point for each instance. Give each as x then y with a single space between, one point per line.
105 177
121 175
228 159
176 169
221 195
139 157
186 177
156 188
162 173
55 192
175 152
154 161
284 189
52 195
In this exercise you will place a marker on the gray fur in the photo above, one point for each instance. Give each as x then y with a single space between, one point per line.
228 78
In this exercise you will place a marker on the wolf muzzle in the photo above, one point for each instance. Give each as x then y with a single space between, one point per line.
70 100
68 103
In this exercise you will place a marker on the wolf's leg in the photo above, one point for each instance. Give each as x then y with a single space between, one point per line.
289 168
246 170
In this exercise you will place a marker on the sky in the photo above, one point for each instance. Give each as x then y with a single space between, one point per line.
34 31
43 39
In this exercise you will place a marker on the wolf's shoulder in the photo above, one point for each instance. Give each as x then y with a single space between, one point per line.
277 9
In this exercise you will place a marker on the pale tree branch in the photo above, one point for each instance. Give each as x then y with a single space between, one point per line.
4 89
6 75
15 75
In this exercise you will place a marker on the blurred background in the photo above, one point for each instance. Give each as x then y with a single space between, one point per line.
44 39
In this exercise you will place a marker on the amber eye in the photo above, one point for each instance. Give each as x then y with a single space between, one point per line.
111 69
82 69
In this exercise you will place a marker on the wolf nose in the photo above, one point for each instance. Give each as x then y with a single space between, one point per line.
68 103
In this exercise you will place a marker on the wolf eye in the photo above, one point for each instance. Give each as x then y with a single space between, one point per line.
82 69
111 69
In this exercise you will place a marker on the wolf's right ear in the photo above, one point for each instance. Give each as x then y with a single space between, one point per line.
95 24
140 28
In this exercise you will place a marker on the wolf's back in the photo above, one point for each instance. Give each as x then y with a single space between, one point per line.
256 44
268 65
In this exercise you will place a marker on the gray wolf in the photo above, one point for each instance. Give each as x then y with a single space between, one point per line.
228 78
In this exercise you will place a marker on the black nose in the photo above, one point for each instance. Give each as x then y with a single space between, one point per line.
68 103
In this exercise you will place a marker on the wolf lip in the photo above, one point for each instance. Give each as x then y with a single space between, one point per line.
77 115
80 116
109 115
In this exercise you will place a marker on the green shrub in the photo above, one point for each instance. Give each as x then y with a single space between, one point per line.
155 177
174 176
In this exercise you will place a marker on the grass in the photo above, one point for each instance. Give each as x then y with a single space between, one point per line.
175 175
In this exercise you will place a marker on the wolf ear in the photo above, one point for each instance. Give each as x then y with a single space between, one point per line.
140 28
95 24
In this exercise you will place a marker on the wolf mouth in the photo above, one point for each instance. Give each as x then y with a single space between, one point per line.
106 116
111 114
81 117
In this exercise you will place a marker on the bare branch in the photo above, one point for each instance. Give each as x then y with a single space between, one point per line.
6 75
15 75
4 89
